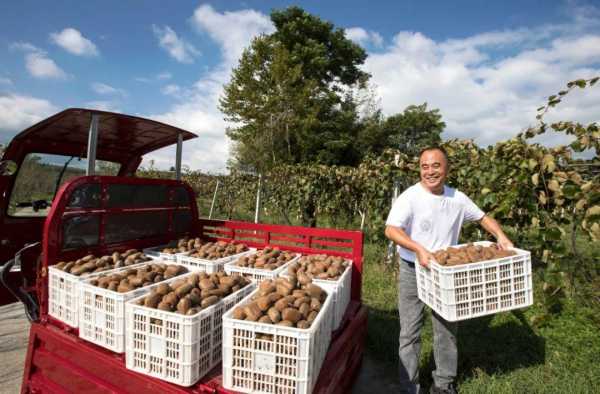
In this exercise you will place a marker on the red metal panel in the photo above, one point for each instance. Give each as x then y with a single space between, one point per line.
352 241
52 239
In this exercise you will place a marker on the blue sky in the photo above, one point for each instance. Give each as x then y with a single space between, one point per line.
486 65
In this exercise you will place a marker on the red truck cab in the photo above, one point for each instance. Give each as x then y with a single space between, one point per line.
55 207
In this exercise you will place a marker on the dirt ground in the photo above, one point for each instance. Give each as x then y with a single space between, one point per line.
14 331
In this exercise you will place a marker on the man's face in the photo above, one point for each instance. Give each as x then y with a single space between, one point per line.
434 169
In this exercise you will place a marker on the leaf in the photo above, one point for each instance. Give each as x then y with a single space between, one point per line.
581 83
586 187
570 189
592 212
485 191
541 108
553 234
548 163
594 80
542 198
581 204
535 179
553 185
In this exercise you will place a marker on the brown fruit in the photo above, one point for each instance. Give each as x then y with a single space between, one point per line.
183 289
291 314
238 313
253 312
263 303
303 324
274 315
184 305
265 319
152 300
209 301
165 306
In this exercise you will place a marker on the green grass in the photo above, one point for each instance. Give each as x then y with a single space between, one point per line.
502 353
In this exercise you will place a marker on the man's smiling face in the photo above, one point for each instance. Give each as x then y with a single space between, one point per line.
434 169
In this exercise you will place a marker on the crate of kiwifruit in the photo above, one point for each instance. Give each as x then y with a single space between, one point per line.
476 279
102 300
266 263
212 256
332 273
174 333
65 276
169 251
276 339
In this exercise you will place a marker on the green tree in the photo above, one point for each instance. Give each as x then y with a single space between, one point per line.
413 129
288 95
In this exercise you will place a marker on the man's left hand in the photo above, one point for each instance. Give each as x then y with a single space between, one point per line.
504 243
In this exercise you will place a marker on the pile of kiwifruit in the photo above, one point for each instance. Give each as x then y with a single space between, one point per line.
265 259
183 245
135 278
285 302
470 254
317 266
90 263
218 250
189 295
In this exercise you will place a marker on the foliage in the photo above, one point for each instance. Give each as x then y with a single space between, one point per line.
290 95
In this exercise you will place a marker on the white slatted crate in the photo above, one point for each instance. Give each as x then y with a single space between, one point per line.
271 359
63 294
177 348
258 274
102 311
208 266
477 289
157 254
341 291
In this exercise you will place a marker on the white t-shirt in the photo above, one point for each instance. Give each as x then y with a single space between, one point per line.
432 220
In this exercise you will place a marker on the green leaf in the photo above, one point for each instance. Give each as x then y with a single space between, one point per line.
594 80
581 83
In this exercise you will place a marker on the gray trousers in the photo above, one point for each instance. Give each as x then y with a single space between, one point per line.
445 353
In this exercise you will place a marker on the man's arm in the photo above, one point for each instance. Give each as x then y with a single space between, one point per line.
492 227
399 237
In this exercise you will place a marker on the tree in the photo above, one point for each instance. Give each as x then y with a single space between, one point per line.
414 129
288 95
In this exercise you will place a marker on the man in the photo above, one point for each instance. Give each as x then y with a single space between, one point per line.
427 217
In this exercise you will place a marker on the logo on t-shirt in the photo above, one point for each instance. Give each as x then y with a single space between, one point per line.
425 225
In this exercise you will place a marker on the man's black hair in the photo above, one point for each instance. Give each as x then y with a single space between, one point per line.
434 147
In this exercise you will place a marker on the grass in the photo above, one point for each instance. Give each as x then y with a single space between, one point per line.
502 353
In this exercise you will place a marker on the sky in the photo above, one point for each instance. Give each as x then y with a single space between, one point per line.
486 65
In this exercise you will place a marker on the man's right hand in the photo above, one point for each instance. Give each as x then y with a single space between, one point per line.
424 256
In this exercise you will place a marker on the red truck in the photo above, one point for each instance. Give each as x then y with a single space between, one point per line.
56 207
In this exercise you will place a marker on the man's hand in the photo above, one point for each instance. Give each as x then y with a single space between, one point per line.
424 256
504 243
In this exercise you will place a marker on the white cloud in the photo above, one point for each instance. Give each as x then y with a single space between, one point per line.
196 108
232 30
38 63
5 81
483 93
73 42
104 89
178 49
364 37
18 112
103 105
171 90
163 76
43 67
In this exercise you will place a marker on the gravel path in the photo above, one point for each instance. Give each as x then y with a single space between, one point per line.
14 332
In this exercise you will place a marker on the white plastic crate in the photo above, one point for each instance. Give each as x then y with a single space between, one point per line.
102 311
477 289
63 294
156 254
177 348
269 359
340 291
257 274
208 266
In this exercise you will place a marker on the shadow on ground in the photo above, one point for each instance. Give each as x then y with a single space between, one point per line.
485 344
